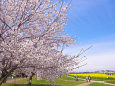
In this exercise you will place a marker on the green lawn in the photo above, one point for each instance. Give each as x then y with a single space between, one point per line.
27 85
68 83
99 84
64 77
64 81
70 78
110 81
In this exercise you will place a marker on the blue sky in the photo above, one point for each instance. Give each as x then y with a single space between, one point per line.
92 22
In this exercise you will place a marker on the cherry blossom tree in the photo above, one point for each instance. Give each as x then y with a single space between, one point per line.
29 30
54 64
52 67
32 39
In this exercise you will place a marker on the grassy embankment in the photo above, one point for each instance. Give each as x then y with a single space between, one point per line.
110 81
64 81
99 84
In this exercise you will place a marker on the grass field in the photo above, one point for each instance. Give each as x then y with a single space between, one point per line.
99 84
64 81
110 81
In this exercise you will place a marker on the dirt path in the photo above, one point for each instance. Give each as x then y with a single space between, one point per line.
87 83
103 82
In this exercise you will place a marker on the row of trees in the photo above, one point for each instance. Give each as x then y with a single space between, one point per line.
32 39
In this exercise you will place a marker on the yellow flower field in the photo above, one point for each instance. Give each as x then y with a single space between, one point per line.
95 75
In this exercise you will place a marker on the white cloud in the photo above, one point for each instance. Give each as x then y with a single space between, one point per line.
100 56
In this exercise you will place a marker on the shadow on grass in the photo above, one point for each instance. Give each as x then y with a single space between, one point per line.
31 85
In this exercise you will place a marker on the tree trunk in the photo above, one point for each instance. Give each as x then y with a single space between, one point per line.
4 73
30 79
3 81
3 78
